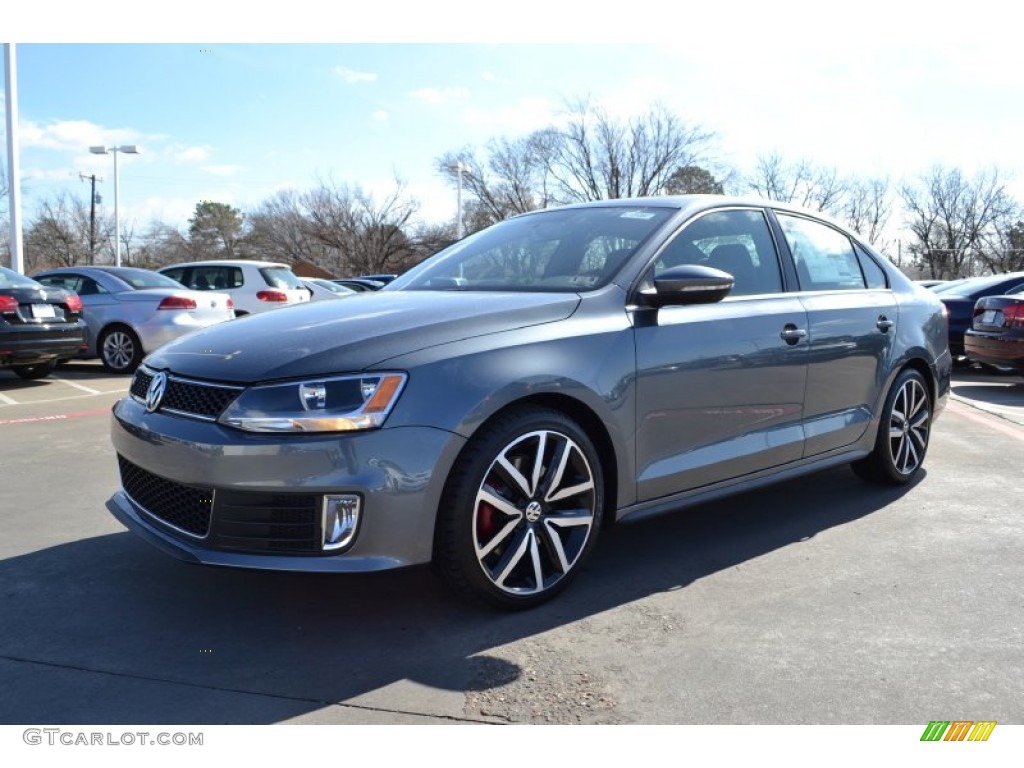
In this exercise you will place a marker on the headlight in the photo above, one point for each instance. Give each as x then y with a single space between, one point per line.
336 404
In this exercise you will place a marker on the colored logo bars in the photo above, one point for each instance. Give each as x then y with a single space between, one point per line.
958 730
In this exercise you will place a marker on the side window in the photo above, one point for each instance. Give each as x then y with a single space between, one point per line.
737 242
874 275
67 282
237 281
90 287
178 273
825 259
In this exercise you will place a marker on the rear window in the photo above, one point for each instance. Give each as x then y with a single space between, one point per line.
281 277
143 278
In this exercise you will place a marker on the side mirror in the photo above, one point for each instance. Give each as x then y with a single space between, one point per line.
688 284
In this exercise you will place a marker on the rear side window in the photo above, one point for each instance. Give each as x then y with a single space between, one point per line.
874 275
825 259
737 242
214 278
280 277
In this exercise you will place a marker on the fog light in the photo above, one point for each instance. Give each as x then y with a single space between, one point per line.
341 519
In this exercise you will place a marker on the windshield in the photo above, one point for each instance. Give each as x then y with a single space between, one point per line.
971 285
142 278
575 249
11 279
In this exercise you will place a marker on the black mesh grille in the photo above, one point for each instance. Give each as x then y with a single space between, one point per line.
267 522
140 384
192 398
197 399
185 507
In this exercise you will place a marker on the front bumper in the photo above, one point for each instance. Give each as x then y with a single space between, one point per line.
264 482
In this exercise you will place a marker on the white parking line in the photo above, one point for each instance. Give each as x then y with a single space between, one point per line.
76 385
7 400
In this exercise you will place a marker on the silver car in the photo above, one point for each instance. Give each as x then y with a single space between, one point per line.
494 408
130 312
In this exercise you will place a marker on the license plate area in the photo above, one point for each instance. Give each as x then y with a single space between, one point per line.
43 311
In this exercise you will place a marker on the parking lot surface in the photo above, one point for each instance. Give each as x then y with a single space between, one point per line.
821 600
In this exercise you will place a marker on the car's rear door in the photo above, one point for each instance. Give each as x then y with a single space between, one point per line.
852 315
720 386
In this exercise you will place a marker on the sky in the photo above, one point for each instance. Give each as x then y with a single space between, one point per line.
360 96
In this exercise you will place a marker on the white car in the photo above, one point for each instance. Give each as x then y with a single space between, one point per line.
325 289
254 286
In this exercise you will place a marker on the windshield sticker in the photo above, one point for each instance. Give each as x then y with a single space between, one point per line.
637 215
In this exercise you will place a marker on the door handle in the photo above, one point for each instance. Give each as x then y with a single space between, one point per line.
884 323
792 335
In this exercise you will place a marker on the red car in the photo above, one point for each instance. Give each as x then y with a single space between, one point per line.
997 334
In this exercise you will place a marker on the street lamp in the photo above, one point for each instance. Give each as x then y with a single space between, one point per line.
129 149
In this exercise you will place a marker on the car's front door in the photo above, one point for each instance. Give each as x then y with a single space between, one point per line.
720 387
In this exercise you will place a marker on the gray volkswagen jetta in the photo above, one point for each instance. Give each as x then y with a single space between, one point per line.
498 405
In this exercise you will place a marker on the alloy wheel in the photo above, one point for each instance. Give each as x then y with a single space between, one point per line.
118 349
909 424
534 512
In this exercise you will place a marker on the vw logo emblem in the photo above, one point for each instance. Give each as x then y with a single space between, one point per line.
156 390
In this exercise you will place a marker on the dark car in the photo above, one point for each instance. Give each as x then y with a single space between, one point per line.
495 407
996 337
39 326
360 284
385 279
960 296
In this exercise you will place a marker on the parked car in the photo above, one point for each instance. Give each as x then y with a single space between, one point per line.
960 296
359 284
996 337
129 312
930 283
500 403
326 289
254 286
39 326
385 279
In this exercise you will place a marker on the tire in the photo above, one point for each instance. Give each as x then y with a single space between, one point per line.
903 433
33 372
521 510
120 349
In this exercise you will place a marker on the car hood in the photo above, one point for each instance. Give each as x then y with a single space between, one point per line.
337 336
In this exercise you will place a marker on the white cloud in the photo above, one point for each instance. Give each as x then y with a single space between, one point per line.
380 116
223 170
440 96
520 117
489 76
351 76
77 135
191 154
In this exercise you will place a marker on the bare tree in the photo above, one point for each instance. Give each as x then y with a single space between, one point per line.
279 228
595 157
802 183
59 234
367 235
867 208
956 221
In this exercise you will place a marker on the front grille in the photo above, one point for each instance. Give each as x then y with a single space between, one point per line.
184 507
248 521
187 397
240 521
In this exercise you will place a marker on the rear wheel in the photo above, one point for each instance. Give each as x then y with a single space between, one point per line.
903 433
120 349
32 372
522 509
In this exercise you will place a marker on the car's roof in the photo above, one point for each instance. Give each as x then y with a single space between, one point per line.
227 263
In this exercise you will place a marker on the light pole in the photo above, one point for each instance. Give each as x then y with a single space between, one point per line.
129 149
459 168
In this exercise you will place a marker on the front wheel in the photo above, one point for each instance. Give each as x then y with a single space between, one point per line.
120 349
521 510
903 433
